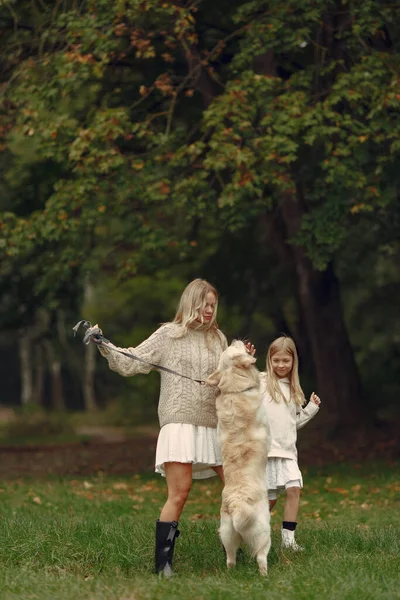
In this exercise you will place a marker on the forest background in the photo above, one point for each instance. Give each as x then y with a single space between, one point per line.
144 143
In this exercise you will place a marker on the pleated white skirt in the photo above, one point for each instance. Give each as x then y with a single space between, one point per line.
281 474
184 443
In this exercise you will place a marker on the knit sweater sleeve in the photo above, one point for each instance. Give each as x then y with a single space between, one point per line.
306 414
151 350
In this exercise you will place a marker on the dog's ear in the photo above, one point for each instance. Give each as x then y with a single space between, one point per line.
214 378
244 361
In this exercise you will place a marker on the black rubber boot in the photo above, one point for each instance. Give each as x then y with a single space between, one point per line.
166 534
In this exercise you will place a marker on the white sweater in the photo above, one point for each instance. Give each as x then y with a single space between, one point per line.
284 419
181 400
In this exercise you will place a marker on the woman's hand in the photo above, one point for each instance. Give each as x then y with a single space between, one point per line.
314 398
250 348
95 336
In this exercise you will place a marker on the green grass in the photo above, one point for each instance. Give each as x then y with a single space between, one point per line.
93 539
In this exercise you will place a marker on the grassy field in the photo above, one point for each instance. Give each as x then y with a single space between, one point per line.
92 538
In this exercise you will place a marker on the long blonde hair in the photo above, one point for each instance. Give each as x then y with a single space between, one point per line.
189 313
284 344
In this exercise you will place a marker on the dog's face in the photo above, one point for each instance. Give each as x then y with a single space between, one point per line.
235 357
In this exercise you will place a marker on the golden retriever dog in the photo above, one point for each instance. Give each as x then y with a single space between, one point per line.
243 435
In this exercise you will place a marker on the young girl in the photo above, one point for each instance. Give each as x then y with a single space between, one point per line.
187 445
283 400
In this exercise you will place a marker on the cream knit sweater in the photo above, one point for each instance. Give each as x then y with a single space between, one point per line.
284 419
181 400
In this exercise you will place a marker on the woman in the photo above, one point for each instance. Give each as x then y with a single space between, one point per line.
187 445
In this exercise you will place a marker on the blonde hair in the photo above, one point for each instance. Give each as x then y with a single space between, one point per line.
284 344
189 313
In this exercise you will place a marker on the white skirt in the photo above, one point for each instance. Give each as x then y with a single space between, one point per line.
281 474
184 443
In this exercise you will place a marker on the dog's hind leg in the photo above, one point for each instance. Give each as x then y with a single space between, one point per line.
262 559
263 545
230 539
258 538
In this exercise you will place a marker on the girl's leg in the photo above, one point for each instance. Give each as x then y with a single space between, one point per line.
290 515
179 482
292 504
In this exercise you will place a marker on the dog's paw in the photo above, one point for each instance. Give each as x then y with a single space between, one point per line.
263 566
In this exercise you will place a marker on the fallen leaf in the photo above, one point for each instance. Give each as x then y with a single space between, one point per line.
196 517
136 498
394 487
149 487
338 491
120 486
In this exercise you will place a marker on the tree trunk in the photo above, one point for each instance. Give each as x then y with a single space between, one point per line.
88 392
88 379
319 296
273 234
25 361
57 395
40 374
27 337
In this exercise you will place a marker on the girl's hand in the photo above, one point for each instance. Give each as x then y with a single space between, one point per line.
250 348
314 398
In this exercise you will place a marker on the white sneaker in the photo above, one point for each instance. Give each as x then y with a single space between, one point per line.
289 542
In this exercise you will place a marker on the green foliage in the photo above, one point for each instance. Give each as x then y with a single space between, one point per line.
136 136
325 120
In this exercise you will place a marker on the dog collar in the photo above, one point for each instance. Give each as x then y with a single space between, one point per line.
252 387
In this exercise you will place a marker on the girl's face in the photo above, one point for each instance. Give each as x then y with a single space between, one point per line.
209 308
282 363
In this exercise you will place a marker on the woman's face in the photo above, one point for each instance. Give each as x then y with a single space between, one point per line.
209 308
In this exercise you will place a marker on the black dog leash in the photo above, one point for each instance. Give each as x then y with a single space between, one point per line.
102 341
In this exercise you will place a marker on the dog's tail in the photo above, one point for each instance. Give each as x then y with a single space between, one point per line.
257 539
243 516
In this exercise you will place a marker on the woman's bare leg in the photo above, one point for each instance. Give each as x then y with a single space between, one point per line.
272 504
220 472
179 482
